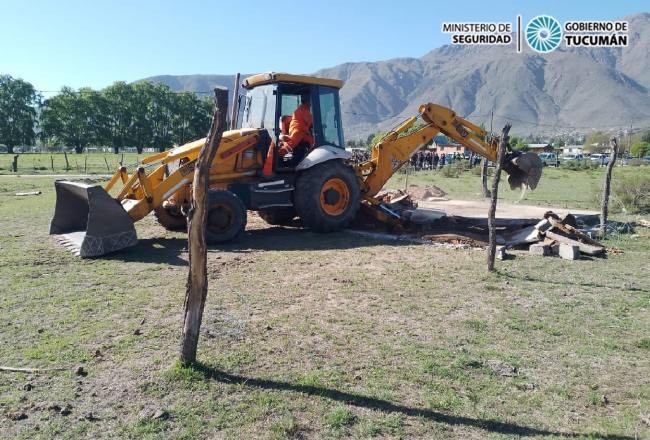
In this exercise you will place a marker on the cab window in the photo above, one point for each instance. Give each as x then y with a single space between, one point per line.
330 116
289 104
259 108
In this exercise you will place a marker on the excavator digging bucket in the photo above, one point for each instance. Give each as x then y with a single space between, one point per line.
524 169
88 221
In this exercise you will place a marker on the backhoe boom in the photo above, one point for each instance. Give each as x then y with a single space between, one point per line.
395 149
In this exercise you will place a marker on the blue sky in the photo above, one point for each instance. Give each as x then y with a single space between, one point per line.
94 43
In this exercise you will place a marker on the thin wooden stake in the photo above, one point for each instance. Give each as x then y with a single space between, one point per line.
607 186
67 164
492 241
197 280
484 173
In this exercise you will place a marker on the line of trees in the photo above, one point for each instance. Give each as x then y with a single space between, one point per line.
140 115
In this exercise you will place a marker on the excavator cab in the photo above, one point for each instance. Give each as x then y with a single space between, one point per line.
270 100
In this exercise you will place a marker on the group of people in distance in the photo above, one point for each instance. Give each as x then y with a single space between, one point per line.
431 160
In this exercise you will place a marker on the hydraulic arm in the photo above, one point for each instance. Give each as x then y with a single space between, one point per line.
395 149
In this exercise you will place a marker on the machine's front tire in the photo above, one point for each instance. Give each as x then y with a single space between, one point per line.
278 216
327 196
226 216
170 220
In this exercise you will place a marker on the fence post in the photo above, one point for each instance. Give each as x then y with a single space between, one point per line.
607 186
15 163
197 279
492 240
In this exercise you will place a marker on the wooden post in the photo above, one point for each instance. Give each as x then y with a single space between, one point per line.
14 164
406 179
52 162
197 280
235 103
606 187
484 173
86 163
67 164
492 240
106 162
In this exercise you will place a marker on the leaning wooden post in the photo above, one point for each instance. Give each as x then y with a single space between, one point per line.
484 173
197 280
492 241
606 187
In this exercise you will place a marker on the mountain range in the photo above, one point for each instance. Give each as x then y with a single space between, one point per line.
567 90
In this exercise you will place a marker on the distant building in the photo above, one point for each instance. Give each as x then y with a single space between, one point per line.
572 149
442 145
541 148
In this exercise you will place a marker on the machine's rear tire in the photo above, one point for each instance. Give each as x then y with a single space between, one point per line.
278 216
327 196
226 216
170 220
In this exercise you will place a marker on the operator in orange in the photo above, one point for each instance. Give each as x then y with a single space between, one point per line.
300 139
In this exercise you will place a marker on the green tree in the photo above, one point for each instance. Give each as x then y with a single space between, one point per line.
18 102
119 116
376 138
191 117
640 149
518 144
140 130
160 111
72 118
597 142
645 135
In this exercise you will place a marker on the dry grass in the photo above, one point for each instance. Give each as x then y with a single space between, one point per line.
318 336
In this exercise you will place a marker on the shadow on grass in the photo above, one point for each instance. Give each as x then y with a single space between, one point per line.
372 403
169 249
153 250
567 283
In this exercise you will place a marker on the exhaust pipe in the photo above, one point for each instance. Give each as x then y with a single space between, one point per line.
88 221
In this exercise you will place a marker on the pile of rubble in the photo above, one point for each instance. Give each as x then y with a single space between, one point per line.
551 235
555 236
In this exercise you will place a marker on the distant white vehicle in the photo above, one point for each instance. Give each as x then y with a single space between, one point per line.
549 159
601 159
572 156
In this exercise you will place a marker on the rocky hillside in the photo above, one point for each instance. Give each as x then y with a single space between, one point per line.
567 89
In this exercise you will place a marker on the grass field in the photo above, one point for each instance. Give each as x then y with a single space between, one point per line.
323 336
559 187
54 163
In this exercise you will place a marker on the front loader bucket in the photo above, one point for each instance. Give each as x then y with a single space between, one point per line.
89 221
524 169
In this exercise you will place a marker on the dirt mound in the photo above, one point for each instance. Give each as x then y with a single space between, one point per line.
427 193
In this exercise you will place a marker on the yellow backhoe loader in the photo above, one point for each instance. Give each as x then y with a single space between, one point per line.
325 190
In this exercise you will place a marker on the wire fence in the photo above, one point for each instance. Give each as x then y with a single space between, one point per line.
57 163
